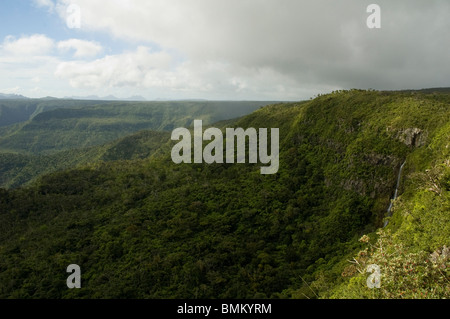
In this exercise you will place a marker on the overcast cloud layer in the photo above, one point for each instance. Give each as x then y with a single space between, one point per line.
236 49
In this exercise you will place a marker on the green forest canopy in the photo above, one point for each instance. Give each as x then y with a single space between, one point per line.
144 227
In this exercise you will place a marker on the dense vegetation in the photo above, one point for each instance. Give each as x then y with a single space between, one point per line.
141 226
49 135
19 169
66 127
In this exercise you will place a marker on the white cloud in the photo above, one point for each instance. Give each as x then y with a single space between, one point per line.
26 61
322 43
83 48
128 69
235 49
14 90
45 3
34 45
145 70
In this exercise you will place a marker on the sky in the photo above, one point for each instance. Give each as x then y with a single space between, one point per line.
220 49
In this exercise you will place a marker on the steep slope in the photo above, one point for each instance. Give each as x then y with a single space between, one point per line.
151 228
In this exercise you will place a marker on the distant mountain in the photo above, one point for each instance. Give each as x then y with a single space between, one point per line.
187 100
136 98
88 97
12 97
49 98
107 98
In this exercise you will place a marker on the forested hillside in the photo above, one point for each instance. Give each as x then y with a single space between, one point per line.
141 226
63 125
50 135
19 169
15 110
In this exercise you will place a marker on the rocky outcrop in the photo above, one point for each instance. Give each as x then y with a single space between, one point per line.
413 137
381 159
440 255
356 185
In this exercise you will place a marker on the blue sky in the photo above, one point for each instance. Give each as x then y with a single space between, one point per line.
21 19
25 17
214 49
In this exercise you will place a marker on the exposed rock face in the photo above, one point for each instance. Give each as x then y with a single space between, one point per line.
413 137
364 188
356 185
380 159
